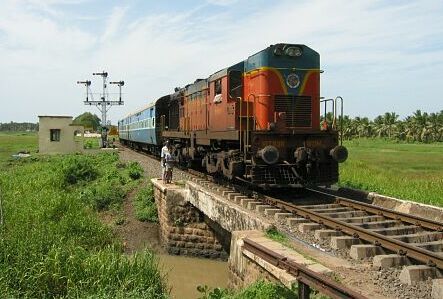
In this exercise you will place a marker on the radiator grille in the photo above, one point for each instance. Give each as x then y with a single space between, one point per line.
298 110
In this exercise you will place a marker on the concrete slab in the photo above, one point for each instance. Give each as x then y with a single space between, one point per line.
271 212
346 214
386 261
361 219
420 237
415 273
364 251
261 208
436 246
227 192
296 220
321 206
308 227
253 204
245 201
437 288
319 268
379 224
343 242
231 196
280 216
326 233
332 210
398 230
217 208
238 198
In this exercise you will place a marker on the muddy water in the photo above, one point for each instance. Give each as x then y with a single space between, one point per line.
186 273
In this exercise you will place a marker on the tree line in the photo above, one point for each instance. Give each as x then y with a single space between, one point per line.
418 127
18 127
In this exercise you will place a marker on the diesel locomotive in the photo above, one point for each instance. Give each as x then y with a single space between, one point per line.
257 121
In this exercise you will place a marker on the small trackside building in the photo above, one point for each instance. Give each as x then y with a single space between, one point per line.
57 135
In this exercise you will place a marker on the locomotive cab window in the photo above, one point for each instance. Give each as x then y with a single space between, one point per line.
218 91
235 84
218 86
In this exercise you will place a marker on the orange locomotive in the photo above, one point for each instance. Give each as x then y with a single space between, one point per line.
257 121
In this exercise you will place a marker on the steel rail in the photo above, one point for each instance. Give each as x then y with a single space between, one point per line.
415 220
318 281
424 256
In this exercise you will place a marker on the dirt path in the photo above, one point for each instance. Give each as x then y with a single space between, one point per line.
137 235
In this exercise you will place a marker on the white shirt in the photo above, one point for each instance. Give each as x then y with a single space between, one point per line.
165 151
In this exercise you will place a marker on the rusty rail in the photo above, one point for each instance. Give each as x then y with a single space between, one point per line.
415 220
306 278
424 256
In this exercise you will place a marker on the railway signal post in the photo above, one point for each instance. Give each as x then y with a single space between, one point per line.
104 104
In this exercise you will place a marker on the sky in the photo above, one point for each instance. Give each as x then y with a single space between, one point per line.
378 55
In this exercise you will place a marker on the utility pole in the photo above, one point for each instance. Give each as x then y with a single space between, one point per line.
104 104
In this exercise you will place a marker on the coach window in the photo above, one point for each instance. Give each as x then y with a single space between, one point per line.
54 134
235 84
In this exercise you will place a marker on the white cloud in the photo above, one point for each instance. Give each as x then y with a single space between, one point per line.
113 23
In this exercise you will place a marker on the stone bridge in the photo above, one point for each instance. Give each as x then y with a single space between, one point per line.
196 220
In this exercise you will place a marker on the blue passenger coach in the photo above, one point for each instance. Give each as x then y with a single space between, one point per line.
142 129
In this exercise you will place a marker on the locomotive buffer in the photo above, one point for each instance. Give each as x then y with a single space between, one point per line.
104 104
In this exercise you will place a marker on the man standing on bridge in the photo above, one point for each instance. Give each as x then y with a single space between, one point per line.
165 155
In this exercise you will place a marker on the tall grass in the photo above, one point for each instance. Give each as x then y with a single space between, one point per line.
52 244
144 204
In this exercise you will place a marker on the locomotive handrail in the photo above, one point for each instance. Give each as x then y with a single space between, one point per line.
247 121
333 110
341 116
240 121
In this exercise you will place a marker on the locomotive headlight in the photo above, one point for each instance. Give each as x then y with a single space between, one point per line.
293 51
293 80
339 153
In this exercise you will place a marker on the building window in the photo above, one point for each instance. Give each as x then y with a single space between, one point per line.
55 134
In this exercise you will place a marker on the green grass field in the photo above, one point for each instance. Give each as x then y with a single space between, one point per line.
406 171
11 143
52 243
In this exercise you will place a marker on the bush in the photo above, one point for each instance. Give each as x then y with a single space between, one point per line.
104 195
135 171
77 169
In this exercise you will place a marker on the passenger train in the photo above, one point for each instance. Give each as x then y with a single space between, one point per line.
257 121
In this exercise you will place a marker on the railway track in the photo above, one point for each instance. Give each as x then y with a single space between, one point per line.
411 238
386 231
401 239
